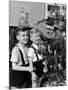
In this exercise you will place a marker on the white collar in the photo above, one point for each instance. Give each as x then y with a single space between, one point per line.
22 50
20 46
35 46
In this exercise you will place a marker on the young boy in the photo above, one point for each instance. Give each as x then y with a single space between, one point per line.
20 72
35 55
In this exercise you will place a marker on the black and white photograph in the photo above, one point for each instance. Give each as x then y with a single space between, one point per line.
37 44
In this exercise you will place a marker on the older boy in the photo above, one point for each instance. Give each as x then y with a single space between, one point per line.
20 73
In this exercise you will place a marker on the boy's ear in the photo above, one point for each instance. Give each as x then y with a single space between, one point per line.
17 37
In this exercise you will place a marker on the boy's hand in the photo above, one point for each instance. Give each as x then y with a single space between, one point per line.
30 69
34 76
45 69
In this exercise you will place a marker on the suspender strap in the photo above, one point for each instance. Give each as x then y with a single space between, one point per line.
35 51
22 57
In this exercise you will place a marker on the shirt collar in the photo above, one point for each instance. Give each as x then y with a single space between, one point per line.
35 46
20 46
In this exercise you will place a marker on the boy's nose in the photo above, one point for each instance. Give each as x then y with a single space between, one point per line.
26 37
38 37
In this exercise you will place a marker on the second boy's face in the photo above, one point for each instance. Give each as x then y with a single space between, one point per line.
36 38
23 37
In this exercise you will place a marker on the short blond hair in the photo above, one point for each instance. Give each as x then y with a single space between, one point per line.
35 31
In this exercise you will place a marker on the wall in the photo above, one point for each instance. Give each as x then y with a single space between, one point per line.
35 9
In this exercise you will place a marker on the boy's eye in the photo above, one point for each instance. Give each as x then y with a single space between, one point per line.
27 35
23 35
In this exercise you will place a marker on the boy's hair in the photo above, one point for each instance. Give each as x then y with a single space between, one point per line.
35 31
22 29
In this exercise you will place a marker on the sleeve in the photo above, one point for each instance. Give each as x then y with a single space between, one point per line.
14 55
30 52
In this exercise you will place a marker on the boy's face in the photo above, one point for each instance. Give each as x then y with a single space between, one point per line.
23 37
35 37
